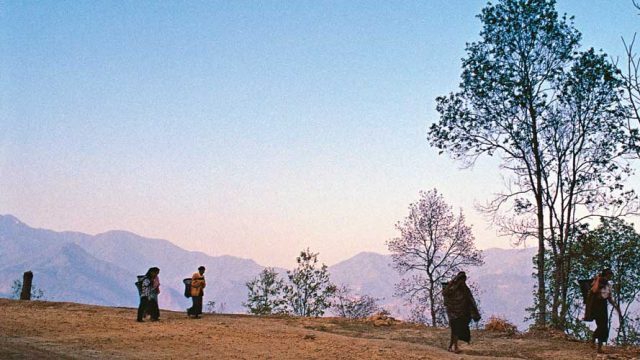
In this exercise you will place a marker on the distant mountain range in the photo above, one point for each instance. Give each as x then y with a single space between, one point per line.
101 269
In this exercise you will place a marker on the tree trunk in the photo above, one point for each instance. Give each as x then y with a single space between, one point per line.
432 305
542 296
27 279
555 289
564 308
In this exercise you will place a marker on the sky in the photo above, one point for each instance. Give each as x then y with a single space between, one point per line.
246 128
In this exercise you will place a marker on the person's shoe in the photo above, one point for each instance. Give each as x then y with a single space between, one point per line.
140 320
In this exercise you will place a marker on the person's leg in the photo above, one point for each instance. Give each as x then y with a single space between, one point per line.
190 311
452 340
153 309
597 334
601 335
142 308
157 310
455 327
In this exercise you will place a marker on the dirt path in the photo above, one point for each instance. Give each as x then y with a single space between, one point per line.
49 330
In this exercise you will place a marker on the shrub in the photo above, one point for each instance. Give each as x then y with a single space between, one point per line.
498 324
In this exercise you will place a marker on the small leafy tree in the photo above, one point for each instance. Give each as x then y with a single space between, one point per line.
16 288
433 245
310 289
265 294
351 306
211 307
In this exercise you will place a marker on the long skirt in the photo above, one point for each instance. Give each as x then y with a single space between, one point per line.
460 328
154 309
600 314
196 309
143 307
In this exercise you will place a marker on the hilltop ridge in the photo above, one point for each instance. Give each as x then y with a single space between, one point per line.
39 329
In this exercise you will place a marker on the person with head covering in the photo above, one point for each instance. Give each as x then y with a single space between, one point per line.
197 292
154 309
461 309
597 300
145 293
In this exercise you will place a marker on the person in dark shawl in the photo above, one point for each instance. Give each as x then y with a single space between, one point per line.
598 297
461 309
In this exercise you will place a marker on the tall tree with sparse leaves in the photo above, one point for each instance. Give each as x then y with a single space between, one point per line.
433 245
554 116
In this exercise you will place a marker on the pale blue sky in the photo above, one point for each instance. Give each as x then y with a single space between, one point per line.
250 128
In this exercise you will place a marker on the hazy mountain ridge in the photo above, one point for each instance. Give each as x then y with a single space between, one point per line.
101 269
226 275
58 263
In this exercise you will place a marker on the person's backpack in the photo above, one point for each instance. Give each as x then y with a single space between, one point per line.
139 284
585 286
187 287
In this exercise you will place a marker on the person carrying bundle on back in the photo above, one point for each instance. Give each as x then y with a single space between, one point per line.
197 292
461 309
154 309
598 297
146 293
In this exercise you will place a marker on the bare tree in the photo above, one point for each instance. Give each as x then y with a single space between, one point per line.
433 245
631 77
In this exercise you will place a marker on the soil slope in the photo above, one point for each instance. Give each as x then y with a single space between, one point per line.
53 330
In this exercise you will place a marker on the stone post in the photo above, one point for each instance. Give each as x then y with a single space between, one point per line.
27 279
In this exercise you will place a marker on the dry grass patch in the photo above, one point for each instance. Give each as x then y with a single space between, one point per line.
498 324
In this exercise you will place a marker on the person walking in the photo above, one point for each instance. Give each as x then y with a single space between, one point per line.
598 298
197 292
146 285
154 309
461 309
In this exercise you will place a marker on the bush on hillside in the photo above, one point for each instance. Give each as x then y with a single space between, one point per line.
498 324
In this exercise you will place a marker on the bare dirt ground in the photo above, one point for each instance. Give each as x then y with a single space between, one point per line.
52 330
